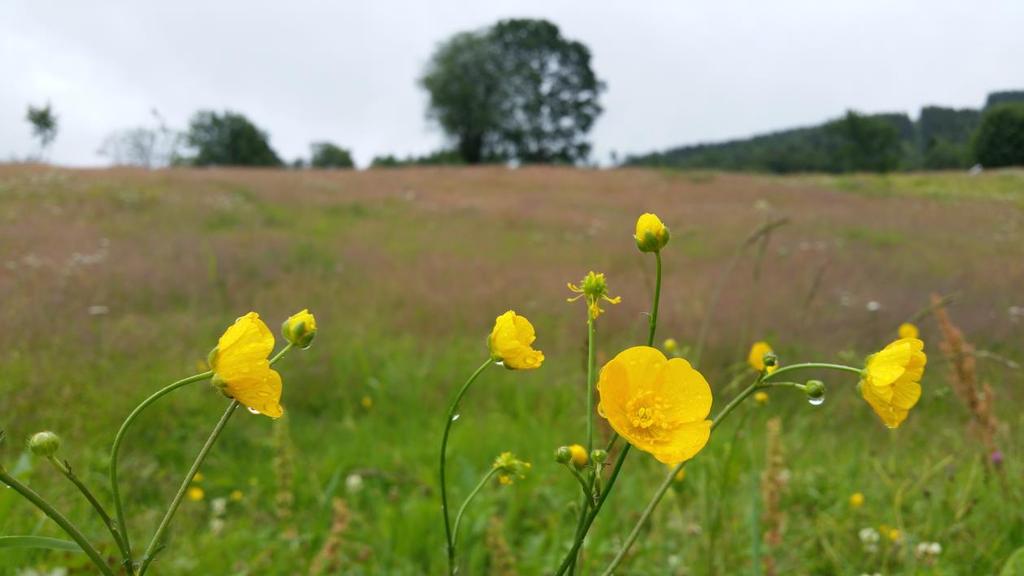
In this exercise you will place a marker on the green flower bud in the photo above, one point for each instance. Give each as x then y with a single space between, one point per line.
815 390
300 329
563 455
771 360
599 456
44 444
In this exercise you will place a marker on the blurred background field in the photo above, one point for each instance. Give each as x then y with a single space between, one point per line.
115 282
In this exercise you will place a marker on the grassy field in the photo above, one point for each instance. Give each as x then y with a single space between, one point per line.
116 282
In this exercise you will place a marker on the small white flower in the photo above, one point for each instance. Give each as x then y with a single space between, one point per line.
354 483
873 306
868 535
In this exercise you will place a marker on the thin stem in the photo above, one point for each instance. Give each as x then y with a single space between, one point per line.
462 509
584 512
807 365
590 383
653 320
65 469
449 540
570 557
116 448
59 518
165 522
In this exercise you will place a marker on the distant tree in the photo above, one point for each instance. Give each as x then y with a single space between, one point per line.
228 139
146 147
327 155
44 125
518 91
442 157
864 143
297 164
385 161
1004 97
999 140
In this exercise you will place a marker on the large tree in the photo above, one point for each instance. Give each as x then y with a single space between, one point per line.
228 139
518 90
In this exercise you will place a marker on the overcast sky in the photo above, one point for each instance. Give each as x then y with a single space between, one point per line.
677 71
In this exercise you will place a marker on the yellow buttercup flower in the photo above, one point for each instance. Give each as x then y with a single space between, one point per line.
856 500
656 404
651 234
510 342
195 494
891 381
761 397
300 329
595 289
579 457
756 357
908 330
241 368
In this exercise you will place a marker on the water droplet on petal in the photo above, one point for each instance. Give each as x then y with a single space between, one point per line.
455 417
500 363
253 410
817 401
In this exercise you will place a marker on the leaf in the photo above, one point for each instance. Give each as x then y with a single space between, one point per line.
38 542
1015 565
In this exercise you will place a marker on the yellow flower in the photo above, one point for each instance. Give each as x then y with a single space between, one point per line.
891 381
579 456
236 496
656 404
908 330
856 500
241 368
366 402
670 345
300 329
651 234
196 494
756 357
894 534
510 342
509 468
761 397
595 288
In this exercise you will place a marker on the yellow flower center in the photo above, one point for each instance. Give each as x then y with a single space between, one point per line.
645 410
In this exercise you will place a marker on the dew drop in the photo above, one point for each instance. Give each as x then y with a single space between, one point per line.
456 417
816 401
253 410
500 363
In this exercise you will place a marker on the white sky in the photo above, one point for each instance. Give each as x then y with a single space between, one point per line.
677 71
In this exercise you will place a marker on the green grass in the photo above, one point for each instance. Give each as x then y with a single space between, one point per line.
405 292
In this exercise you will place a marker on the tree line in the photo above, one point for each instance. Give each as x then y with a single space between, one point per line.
520 92
940 138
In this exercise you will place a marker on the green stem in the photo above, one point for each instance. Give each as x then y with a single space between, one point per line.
653 321
59 518
807 365
462 509
590 383
580 479
571 556
65 469
589 518
449 540
165 522
116 448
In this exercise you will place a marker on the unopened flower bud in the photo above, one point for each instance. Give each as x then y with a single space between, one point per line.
300 329
651 234
599 456
815 389
44 444
771 360
563 455
579 455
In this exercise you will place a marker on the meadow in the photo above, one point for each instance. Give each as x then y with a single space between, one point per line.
116 282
